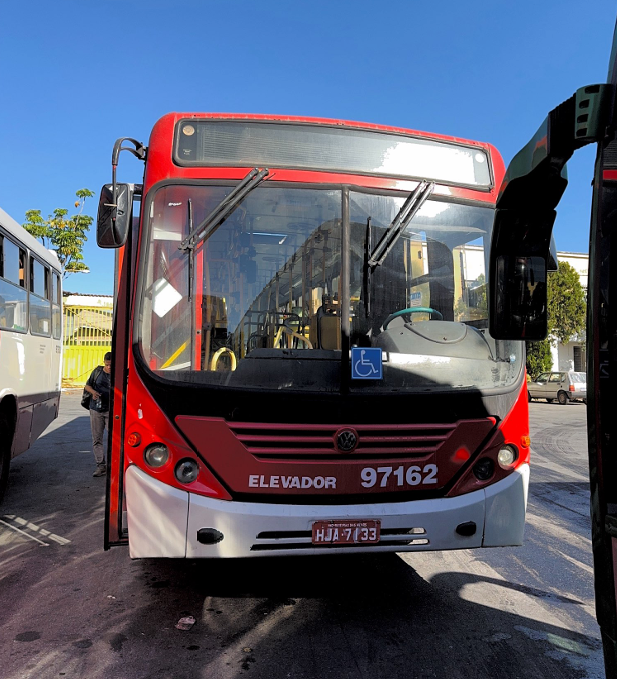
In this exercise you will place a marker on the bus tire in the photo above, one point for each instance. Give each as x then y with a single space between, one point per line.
562 397
550 400
529 397
6 440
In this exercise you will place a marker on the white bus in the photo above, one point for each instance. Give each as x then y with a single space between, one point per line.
30 340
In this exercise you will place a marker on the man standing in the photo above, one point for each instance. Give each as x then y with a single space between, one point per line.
99 386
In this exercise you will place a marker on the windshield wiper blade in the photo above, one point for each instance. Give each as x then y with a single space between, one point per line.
220 213
407 212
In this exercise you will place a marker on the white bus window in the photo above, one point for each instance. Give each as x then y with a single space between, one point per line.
56 313
38 279
10 261
56 291
40 306
13 296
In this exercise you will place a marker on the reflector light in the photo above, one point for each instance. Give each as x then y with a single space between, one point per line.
462 454
525 441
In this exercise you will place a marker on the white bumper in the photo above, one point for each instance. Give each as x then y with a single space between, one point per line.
163 521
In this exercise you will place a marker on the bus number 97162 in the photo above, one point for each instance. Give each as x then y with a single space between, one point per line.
412 476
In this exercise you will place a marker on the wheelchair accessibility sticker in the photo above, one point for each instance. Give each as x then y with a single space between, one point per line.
366 364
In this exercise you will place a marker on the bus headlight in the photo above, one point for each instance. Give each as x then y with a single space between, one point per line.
156 455
507 457
187 470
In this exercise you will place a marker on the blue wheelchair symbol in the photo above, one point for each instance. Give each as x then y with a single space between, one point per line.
366 364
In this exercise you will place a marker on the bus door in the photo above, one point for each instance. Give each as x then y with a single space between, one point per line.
125 242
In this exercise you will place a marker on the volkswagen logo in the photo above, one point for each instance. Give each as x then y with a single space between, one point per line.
346 440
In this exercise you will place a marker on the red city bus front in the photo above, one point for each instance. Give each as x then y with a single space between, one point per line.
301 347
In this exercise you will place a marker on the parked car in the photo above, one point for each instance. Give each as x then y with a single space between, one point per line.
563 386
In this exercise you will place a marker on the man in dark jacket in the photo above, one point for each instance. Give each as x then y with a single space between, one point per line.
99 387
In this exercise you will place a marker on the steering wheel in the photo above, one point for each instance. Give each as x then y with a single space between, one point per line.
414 310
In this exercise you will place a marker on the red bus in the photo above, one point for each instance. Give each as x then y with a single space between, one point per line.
302 362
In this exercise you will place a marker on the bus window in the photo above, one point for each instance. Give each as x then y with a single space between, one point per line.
13 296
56 324
40 307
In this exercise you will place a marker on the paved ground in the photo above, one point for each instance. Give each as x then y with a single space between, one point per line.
69 609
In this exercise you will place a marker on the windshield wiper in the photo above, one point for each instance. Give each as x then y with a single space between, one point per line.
210 224
407 212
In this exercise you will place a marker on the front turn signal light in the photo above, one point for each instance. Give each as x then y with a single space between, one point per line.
133 439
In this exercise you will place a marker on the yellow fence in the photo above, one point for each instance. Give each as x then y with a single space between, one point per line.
87 338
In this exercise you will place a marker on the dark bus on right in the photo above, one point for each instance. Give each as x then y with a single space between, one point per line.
521 256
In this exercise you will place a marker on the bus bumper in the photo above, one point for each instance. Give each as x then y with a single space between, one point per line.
164 521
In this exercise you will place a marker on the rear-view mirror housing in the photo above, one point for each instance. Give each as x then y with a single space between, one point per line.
522 252
114 215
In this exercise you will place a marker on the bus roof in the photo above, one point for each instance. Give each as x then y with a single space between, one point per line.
20 234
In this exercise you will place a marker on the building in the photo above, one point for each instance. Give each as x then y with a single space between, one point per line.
88 321
573 355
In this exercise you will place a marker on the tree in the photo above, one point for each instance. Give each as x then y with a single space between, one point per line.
566 303
539 358
65 235
566 317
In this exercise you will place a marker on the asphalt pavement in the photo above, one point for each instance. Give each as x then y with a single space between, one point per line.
69 609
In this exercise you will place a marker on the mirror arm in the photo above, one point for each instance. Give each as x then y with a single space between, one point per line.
536 177
140 151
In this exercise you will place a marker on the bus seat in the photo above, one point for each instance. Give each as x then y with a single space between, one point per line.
325 330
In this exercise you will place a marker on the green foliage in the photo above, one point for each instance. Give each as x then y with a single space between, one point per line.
566 303
539 357
65 235
476 306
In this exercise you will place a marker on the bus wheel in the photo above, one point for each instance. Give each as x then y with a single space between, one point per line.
550 400
5 459
529 397
562 398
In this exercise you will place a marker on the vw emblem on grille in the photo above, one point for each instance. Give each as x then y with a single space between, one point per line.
346 440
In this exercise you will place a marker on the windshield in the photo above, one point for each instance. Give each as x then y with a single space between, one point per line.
259 303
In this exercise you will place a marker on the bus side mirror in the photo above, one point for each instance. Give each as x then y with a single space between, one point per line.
522 251
114 217
519 300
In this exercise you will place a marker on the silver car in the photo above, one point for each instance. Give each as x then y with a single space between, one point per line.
562 386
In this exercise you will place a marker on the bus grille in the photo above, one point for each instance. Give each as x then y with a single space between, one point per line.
305 442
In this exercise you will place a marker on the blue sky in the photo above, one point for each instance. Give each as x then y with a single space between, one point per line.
76 75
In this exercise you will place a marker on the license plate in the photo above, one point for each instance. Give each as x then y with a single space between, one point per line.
346 532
